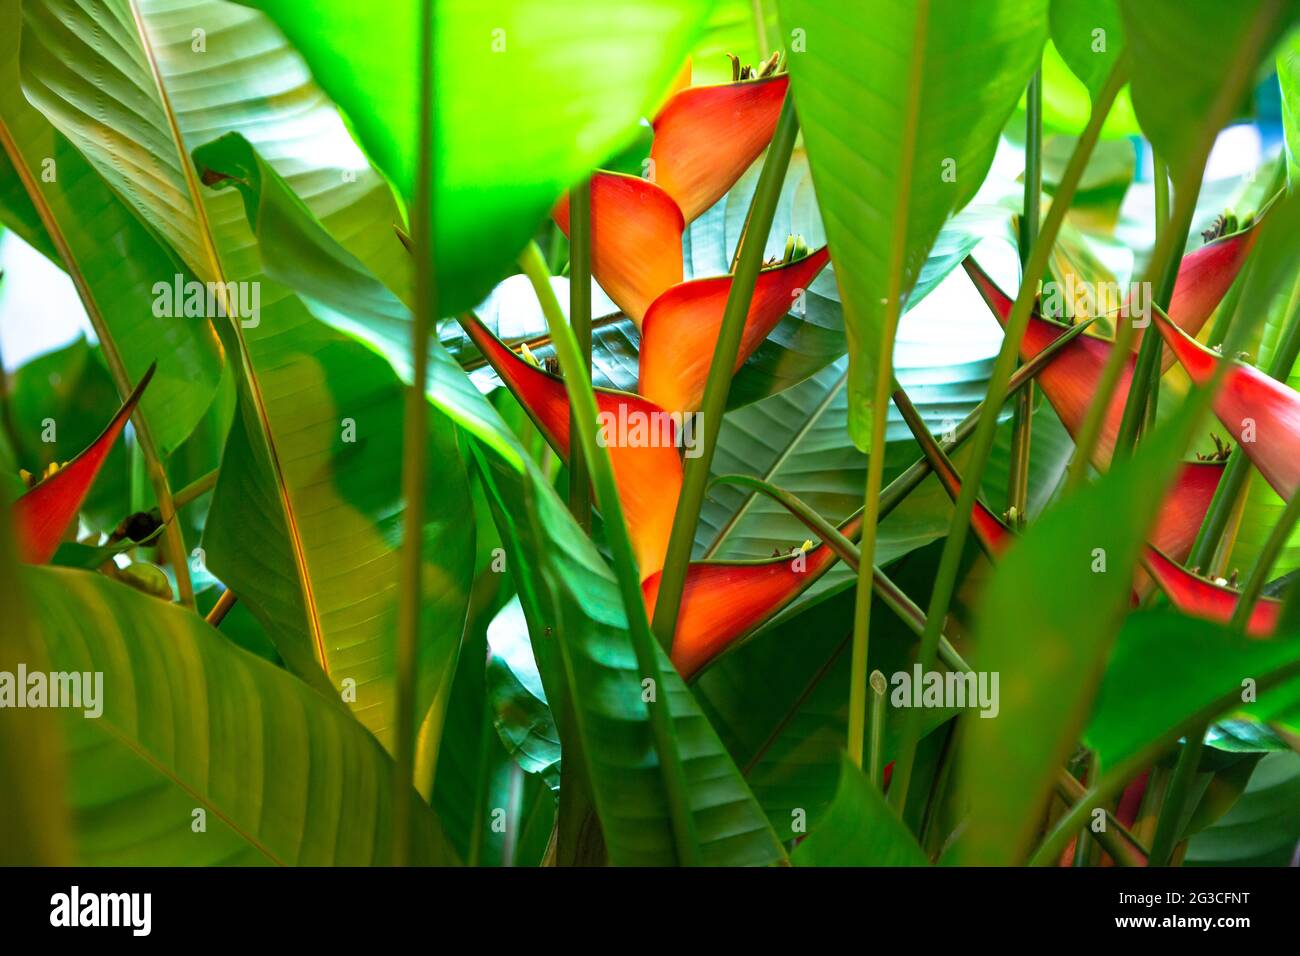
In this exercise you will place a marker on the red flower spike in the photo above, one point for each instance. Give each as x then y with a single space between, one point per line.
1199 597
648 474
636 239
1204 278
707 136
681 328
1261 413
43 515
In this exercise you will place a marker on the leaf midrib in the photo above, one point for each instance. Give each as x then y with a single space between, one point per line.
246 365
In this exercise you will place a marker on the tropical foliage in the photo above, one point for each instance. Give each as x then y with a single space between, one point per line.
650 432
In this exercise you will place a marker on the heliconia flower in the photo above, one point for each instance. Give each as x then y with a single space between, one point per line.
43 515
1200 597
1070 381
647 467
724 600
1261 413
707 136
681 328
636 240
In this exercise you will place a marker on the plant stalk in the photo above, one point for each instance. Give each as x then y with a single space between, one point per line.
1022 423
580 316
415 451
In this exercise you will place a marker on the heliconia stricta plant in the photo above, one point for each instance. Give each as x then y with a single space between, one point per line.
546 438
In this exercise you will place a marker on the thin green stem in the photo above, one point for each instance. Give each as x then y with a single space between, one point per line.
696 478
580 316
1017 322
415 451
196 489
1022 423
878 688
1268 555
583 402
1170 822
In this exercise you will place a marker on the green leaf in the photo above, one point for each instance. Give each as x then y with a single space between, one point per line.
522 715
576 619
1067 104
1183 54
306 519
532 95
1288 77
35 825
895 149
1197 661
1089 35
1044 625
859 829
190 722
83 226
1263 828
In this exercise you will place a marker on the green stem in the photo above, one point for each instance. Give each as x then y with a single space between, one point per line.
874 750
696 479
196 489
580 316
1017 322
1268 555
1139 406
415 451
1170 822
1022 424
583 402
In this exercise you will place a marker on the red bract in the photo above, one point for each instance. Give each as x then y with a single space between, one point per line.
1204 278
43 515
681 328
1199 597
706 136
647 468
636 240
1261 413
1070 381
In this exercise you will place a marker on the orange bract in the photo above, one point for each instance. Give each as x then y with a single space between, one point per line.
682 325
647 469
636 240
707 136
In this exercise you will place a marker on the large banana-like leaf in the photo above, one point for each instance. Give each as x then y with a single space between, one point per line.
203 753
1288 78
901 107
564 81
576 618
1185 53
34 820
306 519
112 259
